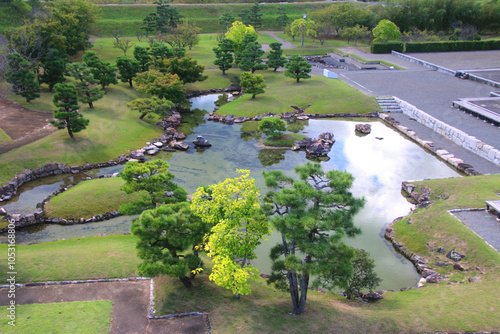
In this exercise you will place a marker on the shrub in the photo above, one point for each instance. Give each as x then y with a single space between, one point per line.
387 47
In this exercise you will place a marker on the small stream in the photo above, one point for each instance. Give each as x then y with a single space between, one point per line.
379 162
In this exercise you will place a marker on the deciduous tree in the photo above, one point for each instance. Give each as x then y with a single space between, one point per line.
253 84
123 44
303 27
297 68
357 32
312 214
163 85
167 240
232 207
67 115
184 35
386 31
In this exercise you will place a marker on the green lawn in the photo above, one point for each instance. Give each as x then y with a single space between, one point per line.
113 130
83 258
4 138
90 198
328 96
61 318
285 140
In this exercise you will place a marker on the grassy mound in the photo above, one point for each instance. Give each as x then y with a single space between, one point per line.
4 138
328 96
285 140
90 198
60 318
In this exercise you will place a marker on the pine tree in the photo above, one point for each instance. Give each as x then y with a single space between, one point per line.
224 55
128 69
251 58
253 84
54 65
276 59
103 71
297 68
86 84
22 77
142 56
67 116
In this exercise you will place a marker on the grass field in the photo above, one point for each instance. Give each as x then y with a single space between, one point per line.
327 96
113 130
61 318
90 198
285 140
4 138
83 258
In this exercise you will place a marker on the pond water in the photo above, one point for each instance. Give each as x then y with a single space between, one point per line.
379 163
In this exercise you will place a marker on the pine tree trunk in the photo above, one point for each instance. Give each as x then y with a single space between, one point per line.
69 129
186 281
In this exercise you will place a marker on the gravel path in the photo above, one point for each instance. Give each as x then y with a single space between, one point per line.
286 45
484 224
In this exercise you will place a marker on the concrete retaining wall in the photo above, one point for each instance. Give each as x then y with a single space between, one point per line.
459 137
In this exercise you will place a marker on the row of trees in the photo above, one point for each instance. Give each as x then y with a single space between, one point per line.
227 221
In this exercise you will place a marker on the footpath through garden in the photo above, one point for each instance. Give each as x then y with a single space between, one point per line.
130 305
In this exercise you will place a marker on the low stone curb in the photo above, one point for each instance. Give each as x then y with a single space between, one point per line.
100 280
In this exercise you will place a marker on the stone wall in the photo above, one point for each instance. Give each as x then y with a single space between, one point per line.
423 63
459 137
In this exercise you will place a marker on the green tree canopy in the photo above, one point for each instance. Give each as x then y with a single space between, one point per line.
103 71
226 19
232 208
252 84
386 31
298 68
186 68
363 277
54 66
272 126
312 214
128 69
154 178
303 27
184 35
149 23
167 240
276 59
67 115
22 77
86 84
251 57
143 57
163 85
166 17
237 33
152 105
224 55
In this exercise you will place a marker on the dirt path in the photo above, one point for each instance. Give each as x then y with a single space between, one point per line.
286 45
22 125
130 305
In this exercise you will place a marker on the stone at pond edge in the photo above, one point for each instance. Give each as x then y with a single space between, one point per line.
372 297
474 279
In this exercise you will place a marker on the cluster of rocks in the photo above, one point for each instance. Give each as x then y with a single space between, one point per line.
318 147
422 198
39 217
363 128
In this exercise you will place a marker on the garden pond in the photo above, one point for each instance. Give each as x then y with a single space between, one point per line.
379 162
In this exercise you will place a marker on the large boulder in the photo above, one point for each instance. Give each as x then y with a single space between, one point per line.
302 144
455 256
137 155
179 145
372 297
363 128
327 137
318 148
201 142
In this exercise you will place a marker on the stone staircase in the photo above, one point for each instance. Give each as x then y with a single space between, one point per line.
388 104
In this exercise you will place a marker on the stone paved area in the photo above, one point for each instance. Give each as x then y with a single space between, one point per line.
484 224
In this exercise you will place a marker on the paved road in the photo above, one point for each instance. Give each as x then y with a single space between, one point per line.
130 305
484 224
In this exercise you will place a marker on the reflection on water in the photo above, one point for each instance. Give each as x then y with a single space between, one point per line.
378 165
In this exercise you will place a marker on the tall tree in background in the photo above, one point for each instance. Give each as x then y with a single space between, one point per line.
254 16
276 59
167 239
282 17
186 68
227 18
22 77
184 35
312 214
251 58
166 17
143 58
238 32
149 23
86 84
67 116
54 66
297 68
123 44
303 27
224 54
128 69
163 85
253 84
232 208
386 31
103 71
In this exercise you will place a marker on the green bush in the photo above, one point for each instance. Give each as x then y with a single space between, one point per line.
387 47
453 46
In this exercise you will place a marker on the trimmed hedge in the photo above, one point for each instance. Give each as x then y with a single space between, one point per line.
453 46
387 47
